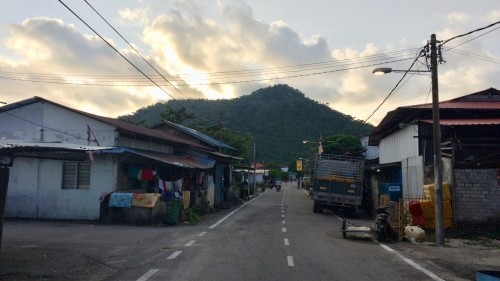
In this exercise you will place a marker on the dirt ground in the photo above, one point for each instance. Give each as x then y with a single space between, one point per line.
459 259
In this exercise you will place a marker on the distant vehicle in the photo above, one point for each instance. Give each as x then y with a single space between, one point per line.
337 183
277 184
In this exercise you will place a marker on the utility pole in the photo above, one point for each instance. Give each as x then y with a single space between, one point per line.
220 132
436 140
254 167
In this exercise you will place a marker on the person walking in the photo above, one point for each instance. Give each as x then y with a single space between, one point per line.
244 191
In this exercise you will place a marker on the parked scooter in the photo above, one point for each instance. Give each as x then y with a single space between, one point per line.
382 227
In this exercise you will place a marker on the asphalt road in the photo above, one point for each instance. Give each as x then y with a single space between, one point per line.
275 236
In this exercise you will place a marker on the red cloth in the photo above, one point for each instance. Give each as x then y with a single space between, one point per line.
147 175
416 212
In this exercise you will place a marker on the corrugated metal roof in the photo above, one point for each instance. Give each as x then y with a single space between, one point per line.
466 122
176 160
487 99
199 135
460 105
484 103
33 145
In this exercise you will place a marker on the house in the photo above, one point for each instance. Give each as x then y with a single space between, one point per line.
65 160
223 162
470 145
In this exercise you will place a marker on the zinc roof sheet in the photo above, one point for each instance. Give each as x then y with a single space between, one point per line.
467 122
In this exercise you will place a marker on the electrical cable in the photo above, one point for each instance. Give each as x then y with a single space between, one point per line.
395 87
144 59
208 83
112 47
468 33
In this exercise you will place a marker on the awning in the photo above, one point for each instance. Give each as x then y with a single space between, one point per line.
176 160
44 150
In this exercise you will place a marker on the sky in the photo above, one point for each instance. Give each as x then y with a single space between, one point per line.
191 49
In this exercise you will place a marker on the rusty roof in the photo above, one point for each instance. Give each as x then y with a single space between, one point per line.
466 122
485 104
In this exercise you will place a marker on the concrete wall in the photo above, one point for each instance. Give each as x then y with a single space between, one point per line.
477 196
35 190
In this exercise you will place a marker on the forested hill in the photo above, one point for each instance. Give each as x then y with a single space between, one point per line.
278 117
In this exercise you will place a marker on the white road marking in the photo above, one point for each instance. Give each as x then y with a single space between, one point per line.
413 264
227 216
174 255
190 243
283 229
290 261
148 275
287 243
282 211
114 262
283 216
202 234
283 221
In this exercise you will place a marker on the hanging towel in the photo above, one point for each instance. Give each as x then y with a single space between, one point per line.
178 185
133 172
165 186
121 200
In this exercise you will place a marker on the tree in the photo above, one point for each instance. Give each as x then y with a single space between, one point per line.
342 145
177 116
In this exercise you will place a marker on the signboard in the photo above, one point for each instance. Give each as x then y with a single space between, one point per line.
299 165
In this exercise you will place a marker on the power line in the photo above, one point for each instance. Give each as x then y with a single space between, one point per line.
51 129
397 84
232 74
119 34
470 32
51 81
118 52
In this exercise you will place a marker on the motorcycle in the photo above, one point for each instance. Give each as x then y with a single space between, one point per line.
382 228
277 185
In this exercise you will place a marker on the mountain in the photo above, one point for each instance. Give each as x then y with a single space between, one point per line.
278 117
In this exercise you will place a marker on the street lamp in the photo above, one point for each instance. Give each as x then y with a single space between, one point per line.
384 70
436 137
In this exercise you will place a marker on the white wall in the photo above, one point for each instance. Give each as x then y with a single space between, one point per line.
52 123
400 145
413 177
35 190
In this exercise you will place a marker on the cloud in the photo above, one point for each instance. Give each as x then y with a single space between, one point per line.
62 58
222 53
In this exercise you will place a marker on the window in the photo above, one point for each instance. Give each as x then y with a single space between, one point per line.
76 175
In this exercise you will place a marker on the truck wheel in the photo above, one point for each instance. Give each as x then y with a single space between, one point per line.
315 207
320 208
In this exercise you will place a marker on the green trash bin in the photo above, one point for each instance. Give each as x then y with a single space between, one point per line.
173 210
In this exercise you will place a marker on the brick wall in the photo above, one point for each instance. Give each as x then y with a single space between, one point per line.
477 197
